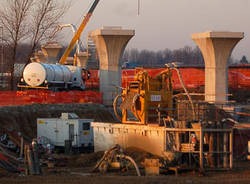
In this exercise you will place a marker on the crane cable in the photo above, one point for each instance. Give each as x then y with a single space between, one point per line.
139 6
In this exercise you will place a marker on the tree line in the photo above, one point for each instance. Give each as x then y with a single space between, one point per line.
186 56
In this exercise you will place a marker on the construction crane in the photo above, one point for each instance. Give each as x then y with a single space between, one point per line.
78 33
78 42
74 30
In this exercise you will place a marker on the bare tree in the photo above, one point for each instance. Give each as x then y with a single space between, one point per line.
46 16
13 17
29 21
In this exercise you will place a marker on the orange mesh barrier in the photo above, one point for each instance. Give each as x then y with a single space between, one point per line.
93 81
238 77
194 77
15 98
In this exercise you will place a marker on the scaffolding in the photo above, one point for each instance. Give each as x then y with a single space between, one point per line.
203 111
203 139
207 148
93 62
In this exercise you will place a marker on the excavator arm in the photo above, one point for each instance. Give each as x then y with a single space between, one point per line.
79 32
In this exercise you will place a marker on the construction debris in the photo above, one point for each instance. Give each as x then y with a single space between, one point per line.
152 167
115 158
31 159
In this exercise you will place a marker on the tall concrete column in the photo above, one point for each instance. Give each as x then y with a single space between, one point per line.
216 48
82 60
110 44
51 50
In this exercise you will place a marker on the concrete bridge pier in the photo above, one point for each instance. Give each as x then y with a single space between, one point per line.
110 44
51 51
82 60
216 48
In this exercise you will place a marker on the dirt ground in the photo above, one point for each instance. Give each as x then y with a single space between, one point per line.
75 175
74 169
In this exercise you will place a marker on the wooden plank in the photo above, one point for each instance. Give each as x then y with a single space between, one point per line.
177 141
217 130
231 150
196 130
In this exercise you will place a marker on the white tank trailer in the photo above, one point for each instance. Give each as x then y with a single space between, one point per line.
52 76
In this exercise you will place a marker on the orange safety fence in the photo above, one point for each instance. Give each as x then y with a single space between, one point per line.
93 81
193 77
15 98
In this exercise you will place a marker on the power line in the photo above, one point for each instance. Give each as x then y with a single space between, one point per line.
139 6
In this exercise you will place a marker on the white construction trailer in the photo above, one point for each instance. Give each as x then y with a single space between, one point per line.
69 128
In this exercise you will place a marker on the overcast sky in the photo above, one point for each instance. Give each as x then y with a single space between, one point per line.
166 23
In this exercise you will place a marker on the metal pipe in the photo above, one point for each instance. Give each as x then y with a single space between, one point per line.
132 161
184 87
74 30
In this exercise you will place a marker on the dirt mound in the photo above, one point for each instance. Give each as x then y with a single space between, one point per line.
23 118
138 155
90 160
87 160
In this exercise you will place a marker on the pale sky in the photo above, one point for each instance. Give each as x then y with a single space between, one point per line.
166 23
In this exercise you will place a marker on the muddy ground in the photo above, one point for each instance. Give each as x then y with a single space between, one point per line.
75 169
80 172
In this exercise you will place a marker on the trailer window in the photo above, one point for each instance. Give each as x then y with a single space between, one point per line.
85 126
